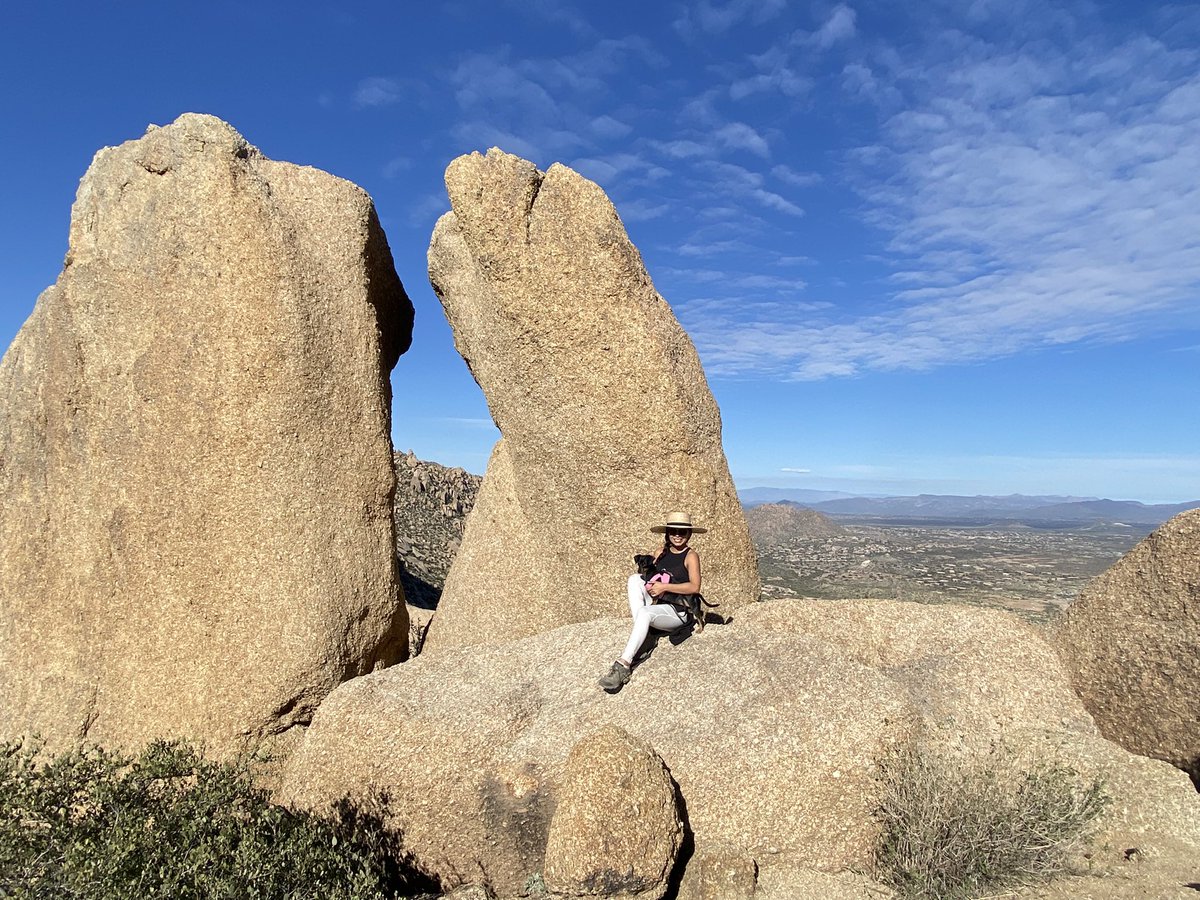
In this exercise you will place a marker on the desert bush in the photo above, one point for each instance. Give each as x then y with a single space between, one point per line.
167 823
962 827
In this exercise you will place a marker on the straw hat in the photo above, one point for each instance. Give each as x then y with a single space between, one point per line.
678 520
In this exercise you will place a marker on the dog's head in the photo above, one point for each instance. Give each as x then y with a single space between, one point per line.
645 564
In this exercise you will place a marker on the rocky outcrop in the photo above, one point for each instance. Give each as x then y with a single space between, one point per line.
770 726
772 524
432 503
616 830
195 459
606 419
1132 643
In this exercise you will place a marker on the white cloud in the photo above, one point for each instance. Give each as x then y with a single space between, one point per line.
740 136
483 80
718 18
681 149
641 210
608 127
790 176
838 27
377 91
393 168
860 81
712 248
773 201
794 470
774 73
466 422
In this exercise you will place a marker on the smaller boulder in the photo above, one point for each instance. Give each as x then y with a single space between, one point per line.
1132 644
616 830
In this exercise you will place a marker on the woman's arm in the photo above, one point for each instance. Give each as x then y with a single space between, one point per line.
691 562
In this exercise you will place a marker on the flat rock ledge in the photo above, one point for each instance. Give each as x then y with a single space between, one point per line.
770 726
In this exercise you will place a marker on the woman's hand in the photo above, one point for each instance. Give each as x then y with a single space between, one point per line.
656 589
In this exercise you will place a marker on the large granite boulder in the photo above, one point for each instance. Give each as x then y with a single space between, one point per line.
195 458
606 419
1132 644
771 727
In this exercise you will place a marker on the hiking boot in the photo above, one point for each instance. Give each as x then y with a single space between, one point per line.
616 677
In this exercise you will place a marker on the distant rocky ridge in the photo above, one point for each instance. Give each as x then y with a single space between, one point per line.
772 524
432 503
1015 508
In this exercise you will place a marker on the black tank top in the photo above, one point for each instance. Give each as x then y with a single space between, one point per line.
671 562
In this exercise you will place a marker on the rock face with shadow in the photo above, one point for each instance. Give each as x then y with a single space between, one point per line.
195 458
606 418
1132 643
771 727
432 504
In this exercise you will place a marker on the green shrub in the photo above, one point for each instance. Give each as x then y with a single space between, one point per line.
957 828
168 824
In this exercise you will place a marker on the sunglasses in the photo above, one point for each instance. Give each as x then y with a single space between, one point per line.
678 532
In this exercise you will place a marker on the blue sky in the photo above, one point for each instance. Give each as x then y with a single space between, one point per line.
948 247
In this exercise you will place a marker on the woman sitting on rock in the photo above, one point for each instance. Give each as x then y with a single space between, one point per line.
661 604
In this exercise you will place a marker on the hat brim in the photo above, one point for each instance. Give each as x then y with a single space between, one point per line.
694 529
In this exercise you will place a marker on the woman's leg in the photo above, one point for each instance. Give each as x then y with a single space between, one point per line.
637 594
662 616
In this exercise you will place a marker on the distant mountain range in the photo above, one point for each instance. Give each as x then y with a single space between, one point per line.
757 495
1011 508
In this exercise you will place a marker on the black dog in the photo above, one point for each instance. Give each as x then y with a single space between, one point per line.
644 563
694 603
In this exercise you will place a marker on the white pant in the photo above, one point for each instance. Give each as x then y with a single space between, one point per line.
646 614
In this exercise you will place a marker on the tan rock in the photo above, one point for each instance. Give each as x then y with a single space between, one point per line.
195 456
714 875
607 421
1132 644
616 830
770 727
797 883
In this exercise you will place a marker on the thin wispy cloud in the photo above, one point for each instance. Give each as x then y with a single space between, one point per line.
397 166
608 127
484 79
788 175
1034 197
839 26
642 210
717 18
466 422
740 136
773 72
377 91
